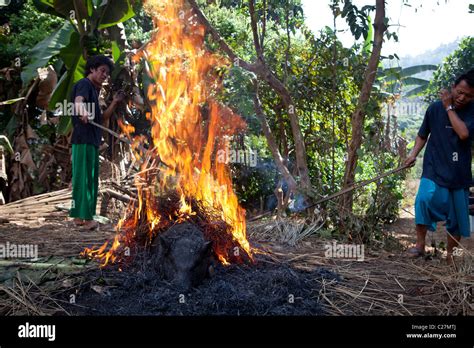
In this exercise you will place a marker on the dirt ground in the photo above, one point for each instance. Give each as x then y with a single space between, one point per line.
386 282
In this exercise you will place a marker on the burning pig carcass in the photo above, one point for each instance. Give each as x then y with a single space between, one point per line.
182 255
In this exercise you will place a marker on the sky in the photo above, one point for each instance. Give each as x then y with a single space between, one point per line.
435 22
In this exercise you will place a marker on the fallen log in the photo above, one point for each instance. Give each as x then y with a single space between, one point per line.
116 195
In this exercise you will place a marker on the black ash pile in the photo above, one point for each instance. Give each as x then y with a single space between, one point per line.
265 288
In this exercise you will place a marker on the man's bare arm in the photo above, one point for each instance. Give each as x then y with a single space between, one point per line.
458 125
419 145
81 109
115 101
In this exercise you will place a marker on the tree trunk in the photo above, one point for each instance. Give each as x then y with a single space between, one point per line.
387 141
272 144
358 116
261 69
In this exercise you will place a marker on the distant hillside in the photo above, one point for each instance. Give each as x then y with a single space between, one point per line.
435 56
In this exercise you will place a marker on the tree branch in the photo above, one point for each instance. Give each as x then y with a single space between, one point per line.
359 114
272 144
264 23
253 24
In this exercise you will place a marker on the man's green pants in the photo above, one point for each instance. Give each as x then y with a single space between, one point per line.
85 181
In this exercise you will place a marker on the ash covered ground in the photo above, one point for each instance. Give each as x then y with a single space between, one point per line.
265 288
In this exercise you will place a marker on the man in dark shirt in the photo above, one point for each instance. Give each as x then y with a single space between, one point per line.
448 127
86 139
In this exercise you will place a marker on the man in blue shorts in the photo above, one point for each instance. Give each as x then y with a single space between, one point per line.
443 195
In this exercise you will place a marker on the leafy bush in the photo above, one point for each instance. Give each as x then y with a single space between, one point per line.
454 65
27 27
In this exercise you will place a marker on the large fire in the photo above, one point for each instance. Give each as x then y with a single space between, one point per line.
188 128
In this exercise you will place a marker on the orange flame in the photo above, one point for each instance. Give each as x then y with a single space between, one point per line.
125 127
188 128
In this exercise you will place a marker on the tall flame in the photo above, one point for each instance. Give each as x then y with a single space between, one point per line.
188 129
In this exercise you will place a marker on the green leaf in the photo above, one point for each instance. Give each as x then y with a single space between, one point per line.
64 7
384 94
47 6
389 71
11 101
75 63
370 37
410 81
115 51
6 143
49 3
115 12
413 70
44 50
12 126
416 91
90 8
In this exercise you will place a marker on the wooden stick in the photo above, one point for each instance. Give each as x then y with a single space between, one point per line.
125 140
39 265
346 190
118 196
359 185
118 136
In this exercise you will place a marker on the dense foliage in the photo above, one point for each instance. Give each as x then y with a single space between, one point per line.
23 29
323 77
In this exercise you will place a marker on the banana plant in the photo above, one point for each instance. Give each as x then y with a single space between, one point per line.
78 38
395 79
391 83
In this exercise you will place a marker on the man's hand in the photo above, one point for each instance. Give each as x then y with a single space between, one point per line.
410 161
446 98
81 110
84 119
119 96
458 125
117 99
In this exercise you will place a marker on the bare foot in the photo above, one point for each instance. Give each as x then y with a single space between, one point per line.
78 222
416 252
90 225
